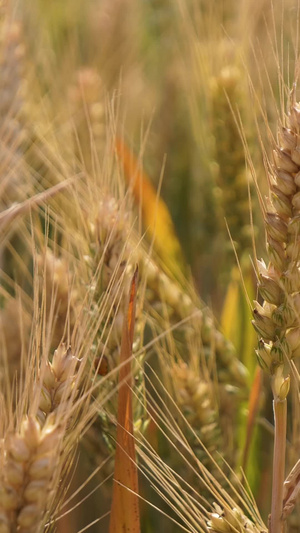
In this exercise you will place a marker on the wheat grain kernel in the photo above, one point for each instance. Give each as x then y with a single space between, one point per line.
4 523
9 497
218 524
14 473
296 200
294 226
31 432
40 468
264 356
276 253
295 155
287 139
35 491
19 449
291 279
285 182
293 339
49 440
63 389
293 117
293 250
49 377
297 179
281 203
270 290
45 403
28 516
276 227
61 362
283 161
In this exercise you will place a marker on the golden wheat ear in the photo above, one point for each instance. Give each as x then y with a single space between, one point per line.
203 498
32 449
277 319
233 179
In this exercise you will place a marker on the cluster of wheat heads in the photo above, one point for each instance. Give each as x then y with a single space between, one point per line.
276 321
68 252
70 241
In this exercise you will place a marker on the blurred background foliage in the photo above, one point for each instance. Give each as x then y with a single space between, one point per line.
178 71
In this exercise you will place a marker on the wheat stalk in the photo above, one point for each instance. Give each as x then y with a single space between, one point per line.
277 319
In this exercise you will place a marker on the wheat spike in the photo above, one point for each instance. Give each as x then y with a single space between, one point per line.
276 321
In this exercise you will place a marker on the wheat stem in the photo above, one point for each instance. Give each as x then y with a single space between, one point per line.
280 418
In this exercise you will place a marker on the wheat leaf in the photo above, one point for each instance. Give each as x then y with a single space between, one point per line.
155 214
125 515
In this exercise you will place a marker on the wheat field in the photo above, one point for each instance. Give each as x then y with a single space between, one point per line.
149 269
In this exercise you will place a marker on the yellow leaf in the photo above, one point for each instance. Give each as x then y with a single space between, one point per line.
155 214
230 308
237 316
